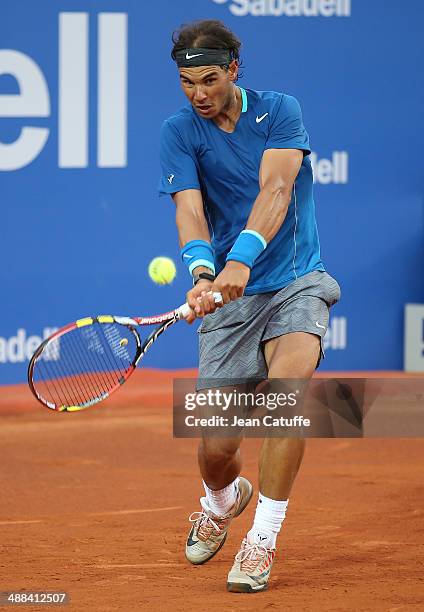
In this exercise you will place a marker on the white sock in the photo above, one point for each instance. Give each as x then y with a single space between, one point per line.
221 501
269 517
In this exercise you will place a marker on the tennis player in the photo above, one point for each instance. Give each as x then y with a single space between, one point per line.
236 163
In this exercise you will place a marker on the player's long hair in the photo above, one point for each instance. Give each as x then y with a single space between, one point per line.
207 33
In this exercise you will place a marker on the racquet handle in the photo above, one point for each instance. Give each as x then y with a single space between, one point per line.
185 310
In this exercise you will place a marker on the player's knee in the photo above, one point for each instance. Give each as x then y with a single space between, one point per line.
289 442
285 446
218 451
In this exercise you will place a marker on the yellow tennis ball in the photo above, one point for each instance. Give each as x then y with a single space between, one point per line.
162 270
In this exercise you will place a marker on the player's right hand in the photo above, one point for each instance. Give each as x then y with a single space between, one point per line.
201 300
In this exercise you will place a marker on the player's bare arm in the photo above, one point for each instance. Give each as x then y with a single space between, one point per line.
192 225
278 171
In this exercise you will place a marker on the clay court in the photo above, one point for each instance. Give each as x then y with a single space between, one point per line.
96 504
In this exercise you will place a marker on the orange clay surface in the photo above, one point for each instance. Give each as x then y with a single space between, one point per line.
96 503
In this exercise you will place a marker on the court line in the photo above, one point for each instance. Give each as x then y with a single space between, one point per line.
140 511
20 522
86 514
123 565
145 422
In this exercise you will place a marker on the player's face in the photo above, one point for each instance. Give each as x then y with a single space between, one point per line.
209 88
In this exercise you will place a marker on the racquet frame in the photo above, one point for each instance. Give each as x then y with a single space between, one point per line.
163 322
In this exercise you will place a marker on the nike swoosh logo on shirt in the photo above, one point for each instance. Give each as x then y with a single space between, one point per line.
188 256
191 56
318 325
259 119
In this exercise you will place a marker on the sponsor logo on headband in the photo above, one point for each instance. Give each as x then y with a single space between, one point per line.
191 56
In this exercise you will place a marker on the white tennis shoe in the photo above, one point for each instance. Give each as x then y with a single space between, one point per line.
252 568
209 532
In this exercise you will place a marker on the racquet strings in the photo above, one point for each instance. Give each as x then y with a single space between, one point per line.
85 364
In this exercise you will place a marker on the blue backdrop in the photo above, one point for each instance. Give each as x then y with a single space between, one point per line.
81 218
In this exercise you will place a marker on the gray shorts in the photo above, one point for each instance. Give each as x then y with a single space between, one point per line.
231 339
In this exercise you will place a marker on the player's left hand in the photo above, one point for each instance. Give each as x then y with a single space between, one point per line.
200 300
232 281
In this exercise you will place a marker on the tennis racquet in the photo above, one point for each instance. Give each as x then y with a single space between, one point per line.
84 362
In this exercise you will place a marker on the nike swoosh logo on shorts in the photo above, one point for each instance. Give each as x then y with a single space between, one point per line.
318 325
259 119
191 56
188 256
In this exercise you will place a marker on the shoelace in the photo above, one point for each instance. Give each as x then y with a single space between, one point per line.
250 555
205 524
